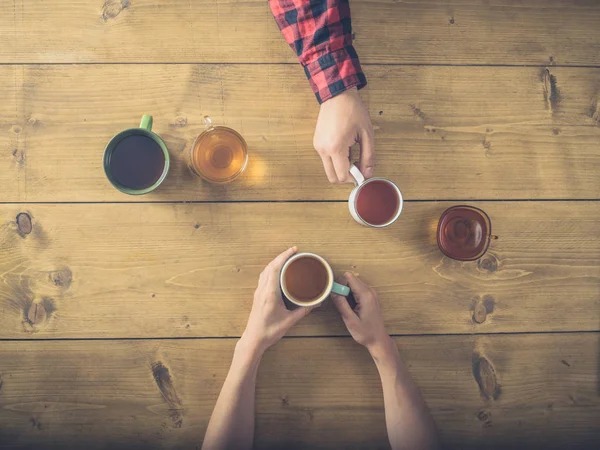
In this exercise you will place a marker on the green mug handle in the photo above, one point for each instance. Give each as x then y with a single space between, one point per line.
146 122
340 289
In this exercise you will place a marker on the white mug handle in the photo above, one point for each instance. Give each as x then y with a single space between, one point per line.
358 176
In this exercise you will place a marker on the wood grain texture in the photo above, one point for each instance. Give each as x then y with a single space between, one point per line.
441 132
176 270
386 31
165 270
160 394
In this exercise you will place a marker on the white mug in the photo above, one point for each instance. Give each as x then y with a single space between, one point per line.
361 182
332 286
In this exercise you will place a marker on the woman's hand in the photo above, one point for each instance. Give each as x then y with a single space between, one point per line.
269 319
365 322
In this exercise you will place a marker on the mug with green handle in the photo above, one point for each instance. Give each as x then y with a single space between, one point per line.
141 159
332 286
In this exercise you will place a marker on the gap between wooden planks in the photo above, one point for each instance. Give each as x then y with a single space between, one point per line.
441 132
385 31
176 270
503 391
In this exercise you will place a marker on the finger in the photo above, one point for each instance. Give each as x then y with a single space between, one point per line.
357 286
329 169
280 260
341 163
367 153
341 304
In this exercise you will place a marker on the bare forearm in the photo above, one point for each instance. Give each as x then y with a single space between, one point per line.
409 423
232 422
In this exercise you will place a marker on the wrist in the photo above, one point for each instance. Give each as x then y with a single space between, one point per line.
248 348
348 92
352 90
383 351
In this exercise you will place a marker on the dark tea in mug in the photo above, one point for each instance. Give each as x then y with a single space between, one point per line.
136 162
306 279
377 202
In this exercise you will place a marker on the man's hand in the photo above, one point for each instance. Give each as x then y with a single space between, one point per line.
269 319
344 121
365 322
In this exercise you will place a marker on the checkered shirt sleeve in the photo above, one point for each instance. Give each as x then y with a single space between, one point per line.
320 32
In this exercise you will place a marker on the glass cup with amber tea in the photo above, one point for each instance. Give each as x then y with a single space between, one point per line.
464 233
219 154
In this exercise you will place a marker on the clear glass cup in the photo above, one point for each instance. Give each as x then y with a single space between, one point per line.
464 233
219 154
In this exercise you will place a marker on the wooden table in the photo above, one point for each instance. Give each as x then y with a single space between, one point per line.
118 315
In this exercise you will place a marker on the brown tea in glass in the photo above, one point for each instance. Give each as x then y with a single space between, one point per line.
464 233
219 154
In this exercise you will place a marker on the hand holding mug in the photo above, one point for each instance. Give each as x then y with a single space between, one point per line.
365 321
269 319
344 121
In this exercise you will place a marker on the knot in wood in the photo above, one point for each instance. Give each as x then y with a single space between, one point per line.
483 307
488 263
112 8
479 313
36 314
485 376
484 416
61 277
24 224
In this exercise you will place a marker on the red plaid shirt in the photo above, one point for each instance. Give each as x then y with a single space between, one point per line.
320 32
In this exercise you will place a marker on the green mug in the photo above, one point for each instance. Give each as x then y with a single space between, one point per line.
140 166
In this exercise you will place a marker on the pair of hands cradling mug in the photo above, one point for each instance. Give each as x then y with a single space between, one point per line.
270 320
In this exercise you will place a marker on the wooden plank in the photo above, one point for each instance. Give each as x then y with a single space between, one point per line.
441 132
172 270
105 394
386 31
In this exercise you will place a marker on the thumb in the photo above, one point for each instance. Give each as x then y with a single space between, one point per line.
367 153
296 315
